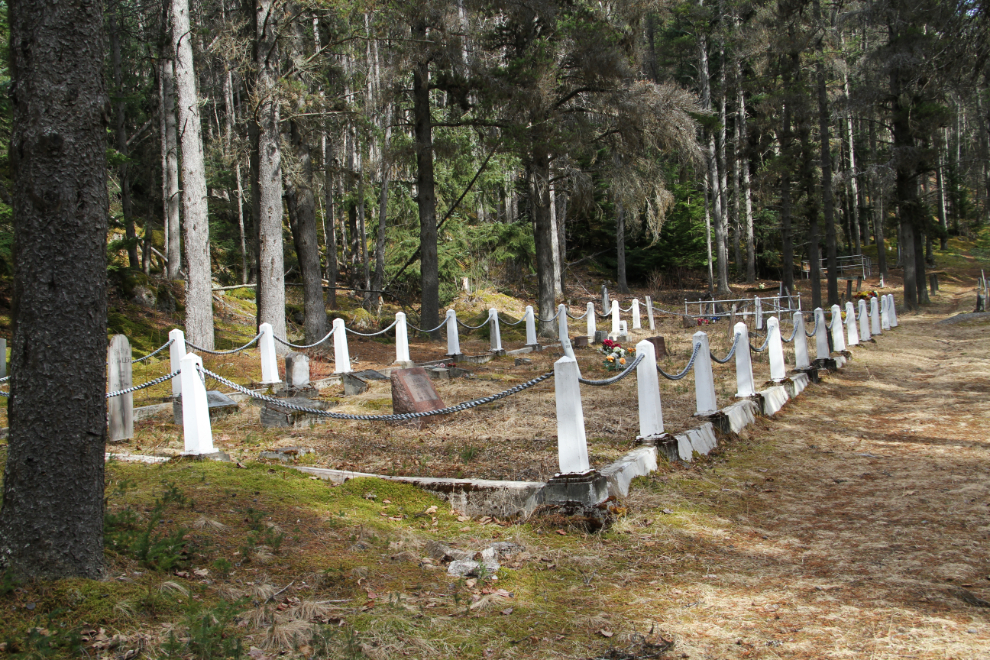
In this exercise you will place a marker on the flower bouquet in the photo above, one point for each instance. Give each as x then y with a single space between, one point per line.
615 355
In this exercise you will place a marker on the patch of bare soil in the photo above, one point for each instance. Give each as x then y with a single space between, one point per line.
855 526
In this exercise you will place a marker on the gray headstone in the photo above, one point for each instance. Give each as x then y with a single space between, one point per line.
120 408
600 336
297 370
521 361
354 384
371 374
274 416
581 341
606 304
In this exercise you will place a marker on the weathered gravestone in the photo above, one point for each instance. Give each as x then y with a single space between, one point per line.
220 406
581 341
412 391
600 336
659 345
275 416
120 408
296 371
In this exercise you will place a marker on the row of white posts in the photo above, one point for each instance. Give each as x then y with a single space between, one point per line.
571 440
572 445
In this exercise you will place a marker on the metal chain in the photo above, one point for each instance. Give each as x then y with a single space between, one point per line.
471 327
281 403
373 334
694 355
150 383
614 379
154 352
234 350
627 309
427 331
577 318
290 345
664 311
732 351
814 330
4 379
791 338
763 347
552 318
507 323
603 316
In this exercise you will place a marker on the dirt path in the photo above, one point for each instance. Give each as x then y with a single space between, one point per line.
854 526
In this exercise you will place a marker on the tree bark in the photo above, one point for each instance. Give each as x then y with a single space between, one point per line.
786 147
429 268
747 189
120 135
302 220
170 171
540 202
199 286
853 183
51 521
828 201
721 248
379 279
330 239
271 263
620 248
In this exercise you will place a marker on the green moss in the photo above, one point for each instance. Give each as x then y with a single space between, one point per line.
245 293
143 335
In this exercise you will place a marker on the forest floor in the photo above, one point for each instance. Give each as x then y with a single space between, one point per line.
853 524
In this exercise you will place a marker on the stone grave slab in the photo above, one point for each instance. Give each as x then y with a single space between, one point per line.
370 374
274 416
447 373
286 454
354 384
220 406
600 336
413 391
297 371
522 361
581 341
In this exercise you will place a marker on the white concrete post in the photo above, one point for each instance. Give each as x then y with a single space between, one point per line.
759 313
864 322
572 444
176 352
401 339
649 313
615 319
530 327
562 332
120 409
196 430
884 314
494 330
592 325
453 338
704 379
801 360
838 338
744 363
635 312
341 356
648 385
775 346
821 335
269 358
852 336
892 306
623 329
875 316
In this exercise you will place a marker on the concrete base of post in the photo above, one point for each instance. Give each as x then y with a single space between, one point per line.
654 440
811 373
586 490
735 417
535 348
220 456
828 364
404 364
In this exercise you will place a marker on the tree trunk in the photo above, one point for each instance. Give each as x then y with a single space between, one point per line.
302 220
540 203
620 247
120 135
555 244
562 240
429 268
329 229
379 280
170 171
271 265
199 286
744 153
943 221
721 249
828 202
51 521
853 183
786 147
